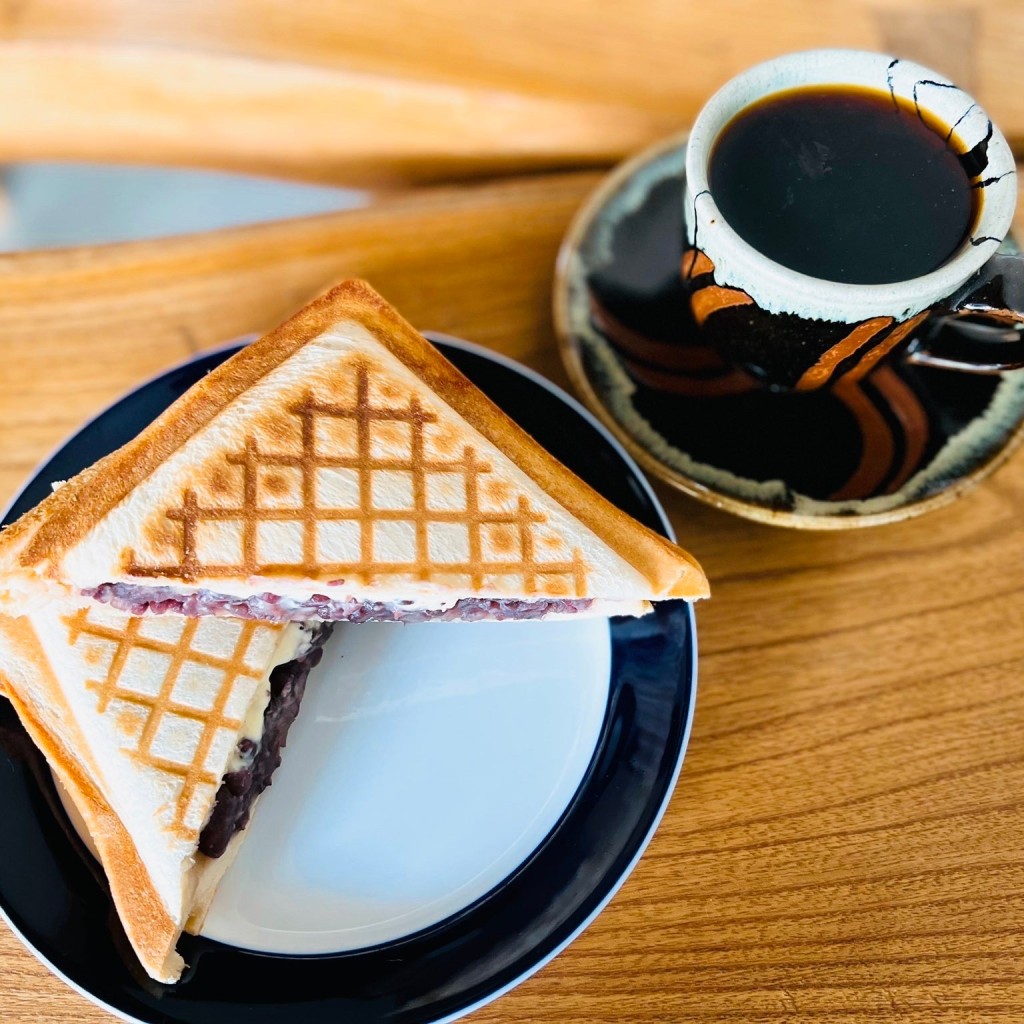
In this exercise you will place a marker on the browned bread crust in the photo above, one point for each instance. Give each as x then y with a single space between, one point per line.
150 929
38 540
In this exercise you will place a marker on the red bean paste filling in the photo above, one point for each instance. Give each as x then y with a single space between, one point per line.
138 599
240 788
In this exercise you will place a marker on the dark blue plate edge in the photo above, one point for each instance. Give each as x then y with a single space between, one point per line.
690 654
691 642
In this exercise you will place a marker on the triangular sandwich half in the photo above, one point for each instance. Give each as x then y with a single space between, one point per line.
340 468
162 731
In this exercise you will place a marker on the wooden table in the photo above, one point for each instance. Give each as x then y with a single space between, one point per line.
844 840
844 843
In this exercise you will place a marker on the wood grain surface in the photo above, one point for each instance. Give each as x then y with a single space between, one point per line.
353 91
844 842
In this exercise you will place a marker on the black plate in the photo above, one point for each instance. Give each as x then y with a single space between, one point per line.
54 896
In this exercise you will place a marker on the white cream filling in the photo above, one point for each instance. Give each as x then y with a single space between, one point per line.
293 643
294 597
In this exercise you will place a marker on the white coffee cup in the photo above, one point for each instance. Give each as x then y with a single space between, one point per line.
795 331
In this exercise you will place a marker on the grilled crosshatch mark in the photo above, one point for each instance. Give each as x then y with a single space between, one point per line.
156 707
309 512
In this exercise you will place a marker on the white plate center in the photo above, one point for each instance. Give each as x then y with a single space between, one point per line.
427 763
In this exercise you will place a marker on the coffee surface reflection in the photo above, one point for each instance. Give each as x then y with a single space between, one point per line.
845 184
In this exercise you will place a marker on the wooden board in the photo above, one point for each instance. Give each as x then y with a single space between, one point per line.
351 91
844 843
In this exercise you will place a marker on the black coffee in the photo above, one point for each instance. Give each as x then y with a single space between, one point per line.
843 183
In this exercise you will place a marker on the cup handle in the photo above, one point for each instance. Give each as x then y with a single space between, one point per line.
995 295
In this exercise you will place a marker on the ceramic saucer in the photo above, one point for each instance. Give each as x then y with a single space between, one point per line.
906 440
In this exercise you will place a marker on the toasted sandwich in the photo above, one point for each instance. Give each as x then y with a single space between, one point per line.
162 731
339 468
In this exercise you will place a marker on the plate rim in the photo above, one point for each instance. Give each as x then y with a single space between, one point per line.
588 416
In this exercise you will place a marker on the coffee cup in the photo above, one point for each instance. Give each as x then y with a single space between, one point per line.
804 307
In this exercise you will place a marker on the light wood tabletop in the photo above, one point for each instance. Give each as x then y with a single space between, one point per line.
844 840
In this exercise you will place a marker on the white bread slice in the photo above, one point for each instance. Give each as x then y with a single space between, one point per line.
139 720
342 455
